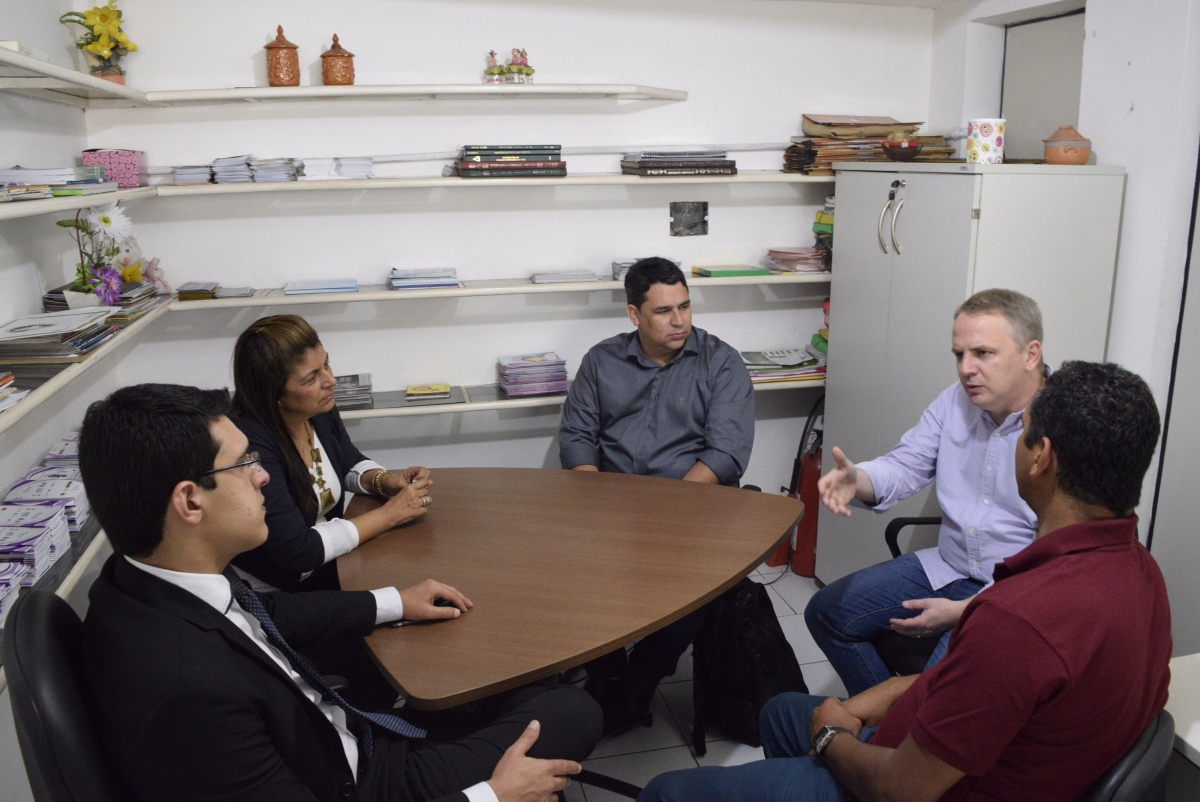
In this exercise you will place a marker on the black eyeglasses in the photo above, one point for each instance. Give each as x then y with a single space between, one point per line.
251 458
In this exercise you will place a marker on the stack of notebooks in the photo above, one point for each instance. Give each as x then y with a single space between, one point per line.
136 299
233 170
797 260
353 391
198 290
785 365
510 161
533 374
193 174
34 492
12 576
266 171
35 536
320 286
678 162
426 392
423 279
823 224
564 277
728 271
342 168
57 335
25 183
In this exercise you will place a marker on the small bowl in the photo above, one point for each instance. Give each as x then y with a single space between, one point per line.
901 151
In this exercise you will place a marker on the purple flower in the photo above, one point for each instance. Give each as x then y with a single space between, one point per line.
109 288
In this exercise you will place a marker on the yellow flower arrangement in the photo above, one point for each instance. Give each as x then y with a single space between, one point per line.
103 37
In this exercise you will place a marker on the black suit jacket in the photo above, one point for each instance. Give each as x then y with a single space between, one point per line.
293 547
187 707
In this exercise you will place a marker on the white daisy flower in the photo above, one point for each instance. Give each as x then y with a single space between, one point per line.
111 222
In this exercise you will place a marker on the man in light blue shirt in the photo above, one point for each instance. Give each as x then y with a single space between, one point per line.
965 439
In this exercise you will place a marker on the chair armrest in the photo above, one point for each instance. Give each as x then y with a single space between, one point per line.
892 534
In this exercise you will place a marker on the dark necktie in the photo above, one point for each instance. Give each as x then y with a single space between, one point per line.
250 602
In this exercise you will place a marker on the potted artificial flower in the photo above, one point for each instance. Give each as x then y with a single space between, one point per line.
97 280
103 43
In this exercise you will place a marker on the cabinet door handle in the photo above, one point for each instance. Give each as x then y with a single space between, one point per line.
879 228
895 214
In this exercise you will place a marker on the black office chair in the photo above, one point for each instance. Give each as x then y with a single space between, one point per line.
1140 776
904 655
58 745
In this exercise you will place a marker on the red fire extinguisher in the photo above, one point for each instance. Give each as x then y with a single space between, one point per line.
801 548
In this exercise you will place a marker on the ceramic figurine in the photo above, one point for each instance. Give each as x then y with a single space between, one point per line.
337 65
1067 146
494 72
518 70
283 61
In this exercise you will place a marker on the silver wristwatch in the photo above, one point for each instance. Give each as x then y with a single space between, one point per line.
825 737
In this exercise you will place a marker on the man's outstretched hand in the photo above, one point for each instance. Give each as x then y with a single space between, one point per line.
519 778
840 486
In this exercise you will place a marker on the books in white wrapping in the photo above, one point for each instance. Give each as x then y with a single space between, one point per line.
30 546
36 491
64 452
530 361
533 374
50 516
53 472
564 277
12 576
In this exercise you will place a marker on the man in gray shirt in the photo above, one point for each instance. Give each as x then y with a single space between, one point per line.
665 400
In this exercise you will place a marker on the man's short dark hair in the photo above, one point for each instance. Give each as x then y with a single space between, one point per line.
1103 424
136 446
645 273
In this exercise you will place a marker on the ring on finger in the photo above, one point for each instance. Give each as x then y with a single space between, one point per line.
424 501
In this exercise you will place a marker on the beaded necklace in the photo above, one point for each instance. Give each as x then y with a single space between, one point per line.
325 494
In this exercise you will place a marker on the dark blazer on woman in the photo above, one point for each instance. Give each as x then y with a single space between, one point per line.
293 547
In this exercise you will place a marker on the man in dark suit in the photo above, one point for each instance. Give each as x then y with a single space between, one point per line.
196 690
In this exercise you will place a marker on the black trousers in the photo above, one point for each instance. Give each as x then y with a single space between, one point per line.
418 771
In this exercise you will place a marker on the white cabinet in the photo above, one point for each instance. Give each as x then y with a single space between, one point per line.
911 243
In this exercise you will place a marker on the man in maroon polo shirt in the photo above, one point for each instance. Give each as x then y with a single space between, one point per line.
1052 672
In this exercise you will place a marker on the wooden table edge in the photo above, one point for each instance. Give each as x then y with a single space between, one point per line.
512 683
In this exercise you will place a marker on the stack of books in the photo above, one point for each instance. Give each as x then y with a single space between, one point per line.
198 290
234 292
426 392
337 169
820 154
728 271
10 400
678 162
533 374
12 579
353 391
64 453
621 266
423 279
233 170
320 286
35 536
33 492
193 174
26 183
935 149
564 277
797 260
136 299
510 161
7 384
784 365
57 335
266 171
823 224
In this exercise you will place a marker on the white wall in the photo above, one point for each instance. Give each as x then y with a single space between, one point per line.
1043 68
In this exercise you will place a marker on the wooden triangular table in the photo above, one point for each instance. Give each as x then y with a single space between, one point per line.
563 566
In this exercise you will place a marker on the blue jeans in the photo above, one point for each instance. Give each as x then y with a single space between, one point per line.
845 616
787 775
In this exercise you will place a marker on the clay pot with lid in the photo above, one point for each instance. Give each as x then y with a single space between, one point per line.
337 65
1067 146
283 61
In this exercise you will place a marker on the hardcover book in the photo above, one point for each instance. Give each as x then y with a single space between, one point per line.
512 173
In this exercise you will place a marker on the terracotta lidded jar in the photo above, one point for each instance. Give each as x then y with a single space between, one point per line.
337 65
1067 146
283 61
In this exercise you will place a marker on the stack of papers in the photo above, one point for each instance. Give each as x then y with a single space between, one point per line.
20 192
56 335
193 174
424 392
321 286
34 535
564 277
233 170
678 162
136 300
84 188
36 491
64 453
54 176
621 266
53 472
423 279
797 260
7 383
353 392
198 290
233 292
265 171
12 578
533 374
338 169
788 364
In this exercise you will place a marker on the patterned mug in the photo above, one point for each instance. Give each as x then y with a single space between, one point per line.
985 141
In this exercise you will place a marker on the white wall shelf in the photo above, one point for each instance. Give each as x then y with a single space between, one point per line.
515 286
27 76
32 208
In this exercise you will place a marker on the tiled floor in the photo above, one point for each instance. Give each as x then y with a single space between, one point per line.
645 752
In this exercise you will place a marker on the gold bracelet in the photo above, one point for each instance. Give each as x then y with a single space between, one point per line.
377 481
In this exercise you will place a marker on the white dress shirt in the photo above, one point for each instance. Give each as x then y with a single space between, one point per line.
214 590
